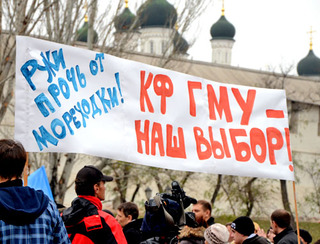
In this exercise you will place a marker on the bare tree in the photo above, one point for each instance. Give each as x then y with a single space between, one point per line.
216 190
277 81
243 193
59 21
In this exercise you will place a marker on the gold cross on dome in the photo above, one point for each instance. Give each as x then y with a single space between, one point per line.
310 32
222 10
85 7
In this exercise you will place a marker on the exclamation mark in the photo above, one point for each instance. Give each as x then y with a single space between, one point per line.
288 147
119 87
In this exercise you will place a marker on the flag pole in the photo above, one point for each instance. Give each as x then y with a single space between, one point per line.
296 210
25 171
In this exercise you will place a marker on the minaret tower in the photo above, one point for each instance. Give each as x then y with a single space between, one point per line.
222 33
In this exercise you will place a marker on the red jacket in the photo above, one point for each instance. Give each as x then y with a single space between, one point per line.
86 223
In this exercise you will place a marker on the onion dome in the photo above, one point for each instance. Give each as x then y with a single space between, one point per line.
157 13
310 65
181 46
82 33
124 20
222 29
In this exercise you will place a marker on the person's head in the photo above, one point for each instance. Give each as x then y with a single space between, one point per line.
306 238
216 234
90 182
280 220
12 159
202 211
242 227
228 225
317 242
256 227
127 212
270 234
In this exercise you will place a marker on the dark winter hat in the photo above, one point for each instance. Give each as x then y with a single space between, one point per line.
305 235
91 175
244 225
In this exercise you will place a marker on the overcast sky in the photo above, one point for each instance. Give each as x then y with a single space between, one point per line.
268 32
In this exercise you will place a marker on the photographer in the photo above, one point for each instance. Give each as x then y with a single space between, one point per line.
165 216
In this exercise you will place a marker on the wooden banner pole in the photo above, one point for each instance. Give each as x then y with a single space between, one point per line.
25 171
296 210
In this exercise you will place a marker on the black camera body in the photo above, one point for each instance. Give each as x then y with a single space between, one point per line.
165 215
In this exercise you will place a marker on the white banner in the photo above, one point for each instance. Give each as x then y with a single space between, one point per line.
74 100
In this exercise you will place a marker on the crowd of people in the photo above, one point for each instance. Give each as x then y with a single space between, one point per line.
29 216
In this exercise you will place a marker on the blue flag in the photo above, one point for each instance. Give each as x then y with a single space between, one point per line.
39 181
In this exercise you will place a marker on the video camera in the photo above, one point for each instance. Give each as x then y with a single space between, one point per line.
165 213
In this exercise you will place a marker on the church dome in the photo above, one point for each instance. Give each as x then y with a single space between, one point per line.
309 66
222 29
124 20
157 13
82 34
181 46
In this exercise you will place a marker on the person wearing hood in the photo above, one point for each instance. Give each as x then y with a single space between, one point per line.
85 220
26 215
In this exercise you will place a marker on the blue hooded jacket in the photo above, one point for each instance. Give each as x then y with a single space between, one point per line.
21 205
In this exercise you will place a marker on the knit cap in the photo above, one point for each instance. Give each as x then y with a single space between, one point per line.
244 225
216 234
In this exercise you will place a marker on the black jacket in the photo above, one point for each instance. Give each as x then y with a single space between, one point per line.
132 231
256 240
210 221
286 236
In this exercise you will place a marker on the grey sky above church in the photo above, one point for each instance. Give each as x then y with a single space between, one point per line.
269 33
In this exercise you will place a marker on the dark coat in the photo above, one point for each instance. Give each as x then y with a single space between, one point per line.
256 240
287 236
132 231
210 221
